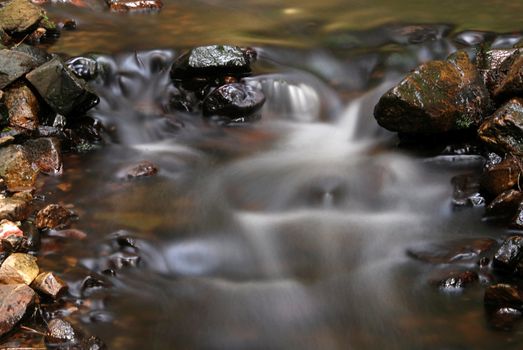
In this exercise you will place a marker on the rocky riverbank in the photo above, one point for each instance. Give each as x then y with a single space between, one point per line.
478 94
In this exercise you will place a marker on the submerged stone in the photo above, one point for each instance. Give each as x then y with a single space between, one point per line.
15 299
13 65
455 280
439 96
16 168
504 318
18 268
61 89
466 191
460 250
501 177
235 102
503 295
504 129
213 60
18 16
141 169
23 106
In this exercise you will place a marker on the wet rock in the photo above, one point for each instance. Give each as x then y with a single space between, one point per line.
18 16
39 56
23 106
141 169
46 154
33 242
49 284
461 250
234 102
83 67
13 65
509 254
16 168
517 219
512 83
504 129
455 280
18 268
504 318
15 209
502 176
14 244
59 332
505 205
53 216
439 96
93 343
15 299
84 135
214 60
134 5
466 191
503 295
494 65
92 283
9 228
61 89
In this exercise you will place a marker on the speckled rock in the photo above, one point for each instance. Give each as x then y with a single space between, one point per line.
23 106
16 168
15 299
437 97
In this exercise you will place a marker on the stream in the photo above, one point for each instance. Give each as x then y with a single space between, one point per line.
288 233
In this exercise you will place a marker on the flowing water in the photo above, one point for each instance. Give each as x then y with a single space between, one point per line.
292 232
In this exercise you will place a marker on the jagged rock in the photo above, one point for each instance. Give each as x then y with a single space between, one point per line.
60 88
53 216
18 16
23 106
18 268
15 299
439 96
50 284
13 65
502 176
505 205
46 154
14 208
509 254
16 168
494 65
234 102
504 129
213 60
512 82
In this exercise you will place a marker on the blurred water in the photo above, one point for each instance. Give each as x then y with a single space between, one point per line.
290 233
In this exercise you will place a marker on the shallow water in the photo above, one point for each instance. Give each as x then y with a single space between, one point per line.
290 233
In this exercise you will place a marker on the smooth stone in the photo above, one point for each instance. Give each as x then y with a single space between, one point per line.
15 299
13 65
18 16
19 268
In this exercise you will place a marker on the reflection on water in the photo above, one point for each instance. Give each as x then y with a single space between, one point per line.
287 234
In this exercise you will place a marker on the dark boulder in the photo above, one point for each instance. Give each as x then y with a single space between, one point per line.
494 65
501 177
40 56
83 67
503 295
453 251
437 97
504 129
61 89
505 205
234 103
214 60
512 82
13 65
509 254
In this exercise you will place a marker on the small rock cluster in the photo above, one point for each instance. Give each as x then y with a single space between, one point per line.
483 96
209 80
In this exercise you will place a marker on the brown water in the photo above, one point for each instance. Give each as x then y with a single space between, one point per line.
291 233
